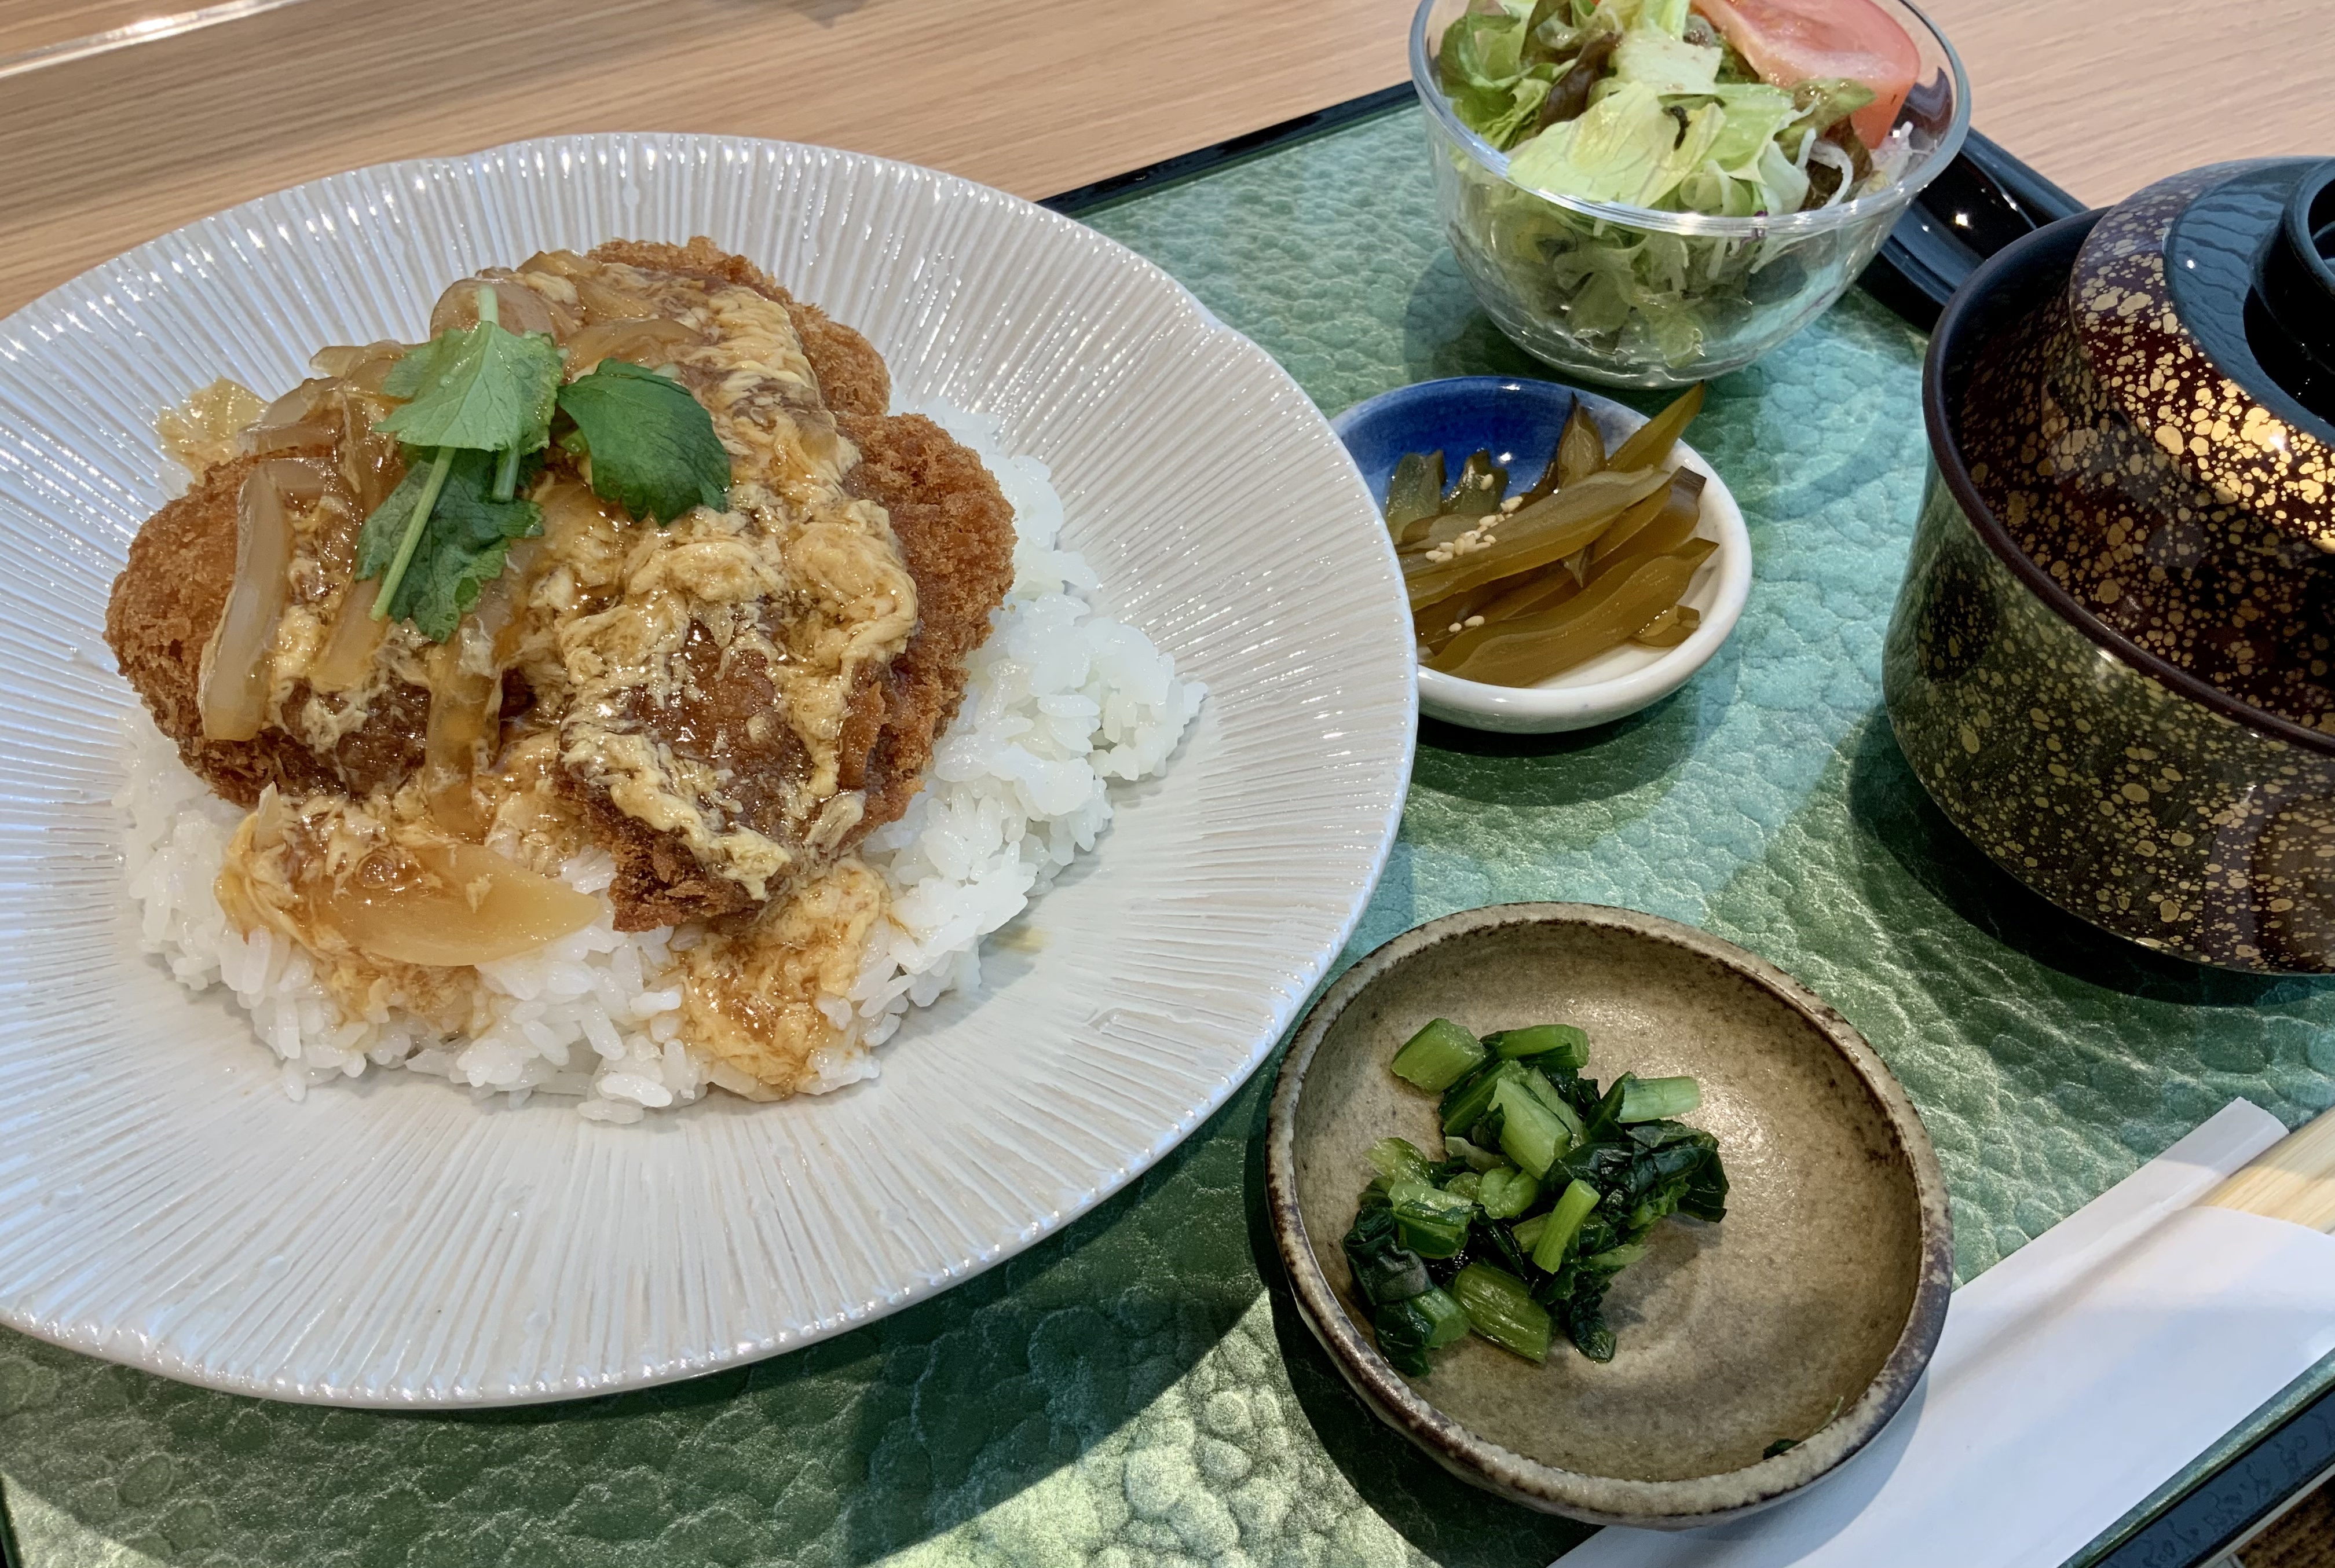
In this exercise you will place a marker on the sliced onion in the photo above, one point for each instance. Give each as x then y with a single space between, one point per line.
644 340
301 419
603 301
465 685
1835 157
452 903
463 713
234 680
517 306
298 483
363 365
297 404
564 318
558 263
306 436
348 652
572 514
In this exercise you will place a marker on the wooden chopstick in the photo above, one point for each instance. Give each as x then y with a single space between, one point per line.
2293 1179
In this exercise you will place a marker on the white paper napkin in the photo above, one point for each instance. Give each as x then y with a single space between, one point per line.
2072 1379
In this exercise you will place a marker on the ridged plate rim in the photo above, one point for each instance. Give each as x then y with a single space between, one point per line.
21 341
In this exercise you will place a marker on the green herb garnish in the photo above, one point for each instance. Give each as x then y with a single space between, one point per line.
483 389
479 406
652 447
478 400
439 537
1527 1241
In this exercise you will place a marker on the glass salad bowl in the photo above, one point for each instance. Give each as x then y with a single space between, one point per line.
1640 296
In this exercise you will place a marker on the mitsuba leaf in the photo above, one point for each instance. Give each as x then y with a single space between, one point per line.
462 545
652 444
479 388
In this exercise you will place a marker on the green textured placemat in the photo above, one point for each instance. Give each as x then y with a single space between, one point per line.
1131 1392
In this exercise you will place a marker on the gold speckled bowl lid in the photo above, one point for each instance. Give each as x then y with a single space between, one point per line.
2198 302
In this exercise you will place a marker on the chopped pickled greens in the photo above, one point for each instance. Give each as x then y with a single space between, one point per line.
1384 1269
1430 1221
1530 1133
1409 1328
1469 1155
1438 1056
1397 1159
1556 1238
1560 1042
1657 1098
1505 1192
1500 1307
1549 1186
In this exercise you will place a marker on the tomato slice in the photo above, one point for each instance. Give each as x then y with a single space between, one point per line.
1789 42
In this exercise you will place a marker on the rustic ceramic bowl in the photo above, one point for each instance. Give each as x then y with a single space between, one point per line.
1809 1313
2123 538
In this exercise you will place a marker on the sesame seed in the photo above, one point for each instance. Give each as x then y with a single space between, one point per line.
1512 503
1473 621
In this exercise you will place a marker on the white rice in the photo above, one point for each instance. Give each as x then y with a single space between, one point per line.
1060 702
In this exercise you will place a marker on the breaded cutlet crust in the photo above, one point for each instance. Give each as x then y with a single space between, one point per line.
955 531
852 377
164 606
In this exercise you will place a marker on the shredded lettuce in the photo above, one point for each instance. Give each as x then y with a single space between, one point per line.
1755 113
1626 148
1667 123
1664 63
1669 120
1824 102
1505 125
1481 52
1670 16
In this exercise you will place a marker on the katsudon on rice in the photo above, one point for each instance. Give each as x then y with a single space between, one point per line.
623 607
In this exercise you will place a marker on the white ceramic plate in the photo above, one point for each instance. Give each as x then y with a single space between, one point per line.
390 1243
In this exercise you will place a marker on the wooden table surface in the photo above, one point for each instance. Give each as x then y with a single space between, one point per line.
103 150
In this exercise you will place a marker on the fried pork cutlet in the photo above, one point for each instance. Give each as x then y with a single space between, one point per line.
955 530
954 535
852 379
165 603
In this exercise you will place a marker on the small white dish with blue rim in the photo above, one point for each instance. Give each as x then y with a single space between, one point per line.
1517 421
